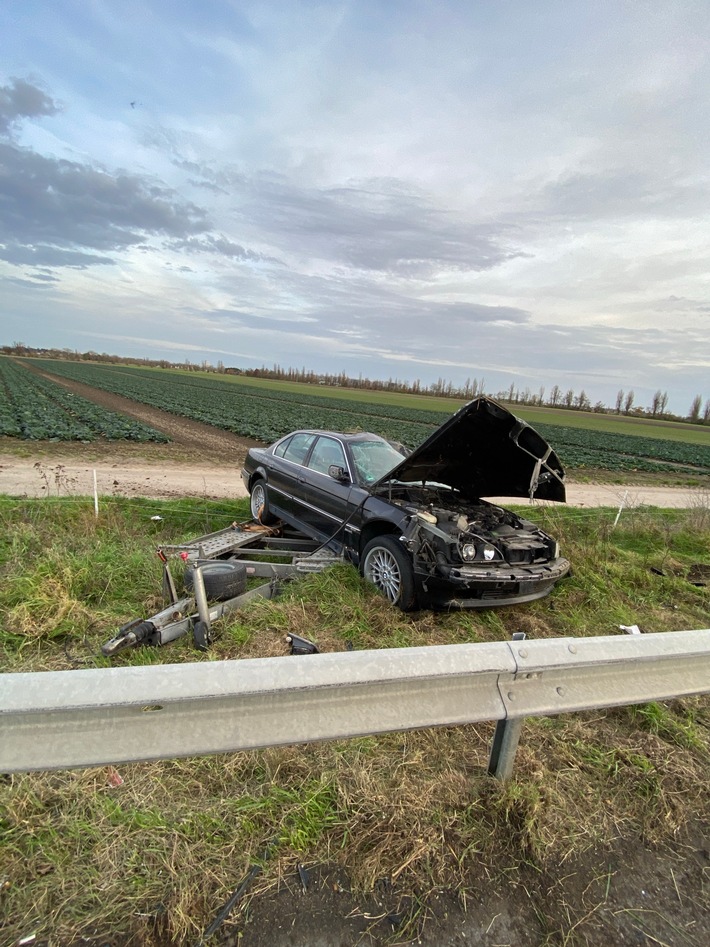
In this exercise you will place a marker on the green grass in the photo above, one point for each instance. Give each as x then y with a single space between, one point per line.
155 856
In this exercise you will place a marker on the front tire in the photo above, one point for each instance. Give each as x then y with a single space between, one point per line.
259 504
386 564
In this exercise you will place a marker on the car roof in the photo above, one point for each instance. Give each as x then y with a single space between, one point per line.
353 436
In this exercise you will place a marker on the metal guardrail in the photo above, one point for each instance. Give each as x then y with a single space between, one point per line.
62 719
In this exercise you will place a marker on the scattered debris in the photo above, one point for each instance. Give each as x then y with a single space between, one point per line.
631 629
656 571
300 645
395 920
699 574
236 895
114 777
305 876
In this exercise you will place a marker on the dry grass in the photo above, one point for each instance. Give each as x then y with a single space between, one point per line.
159 853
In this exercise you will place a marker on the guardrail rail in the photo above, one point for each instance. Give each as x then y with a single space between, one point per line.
64 719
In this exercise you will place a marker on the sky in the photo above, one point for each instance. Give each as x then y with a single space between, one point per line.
499 189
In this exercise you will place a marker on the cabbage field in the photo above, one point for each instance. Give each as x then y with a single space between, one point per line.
266 413
34 408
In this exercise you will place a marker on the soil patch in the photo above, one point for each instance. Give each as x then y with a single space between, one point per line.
192 440
636 895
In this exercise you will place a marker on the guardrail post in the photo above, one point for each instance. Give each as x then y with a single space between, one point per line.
505 740
505 743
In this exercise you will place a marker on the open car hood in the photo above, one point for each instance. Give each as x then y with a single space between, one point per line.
484 450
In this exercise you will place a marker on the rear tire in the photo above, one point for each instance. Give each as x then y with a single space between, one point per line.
259 504
386 564
223 579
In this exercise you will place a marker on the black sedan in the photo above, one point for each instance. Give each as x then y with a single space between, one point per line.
415 523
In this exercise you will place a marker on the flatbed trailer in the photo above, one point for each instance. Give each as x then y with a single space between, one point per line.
219 564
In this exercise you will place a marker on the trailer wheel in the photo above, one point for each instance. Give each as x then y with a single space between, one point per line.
223 579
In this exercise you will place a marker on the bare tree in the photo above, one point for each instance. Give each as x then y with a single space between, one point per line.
619 400
694 413
659 403
629 403
555 395
706 411
568 398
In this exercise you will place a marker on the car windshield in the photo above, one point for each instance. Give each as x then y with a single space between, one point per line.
373 459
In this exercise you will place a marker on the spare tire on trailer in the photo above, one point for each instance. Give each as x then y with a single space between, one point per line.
223 579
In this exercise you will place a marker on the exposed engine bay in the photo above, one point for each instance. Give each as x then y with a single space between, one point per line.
445 529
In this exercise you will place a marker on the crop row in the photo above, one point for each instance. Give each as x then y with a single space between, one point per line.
35 408
597 442
268 414
589 448
242 412
363 409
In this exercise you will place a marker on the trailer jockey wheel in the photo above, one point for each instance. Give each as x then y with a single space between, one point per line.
201 635
223 579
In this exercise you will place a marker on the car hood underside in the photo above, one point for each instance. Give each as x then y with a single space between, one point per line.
484 450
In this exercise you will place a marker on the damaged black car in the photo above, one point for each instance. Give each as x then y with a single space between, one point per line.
416 524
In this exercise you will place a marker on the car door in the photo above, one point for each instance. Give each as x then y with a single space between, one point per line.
328 500
287 475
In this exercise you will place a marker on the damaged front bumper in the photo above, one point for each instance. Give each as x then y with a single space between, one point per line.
481 585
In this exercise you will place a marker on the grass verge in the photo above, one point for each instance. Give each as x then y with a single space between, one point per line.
153 850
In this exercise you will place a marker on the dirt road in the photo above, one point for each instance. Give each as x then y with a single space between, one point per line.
69 476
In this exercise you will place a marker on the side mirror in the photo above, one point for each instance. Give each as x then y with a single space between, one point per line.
338 473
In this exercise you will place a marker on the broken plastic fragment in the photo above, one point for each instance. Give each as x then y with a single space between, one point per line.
631 629
114 777
301 645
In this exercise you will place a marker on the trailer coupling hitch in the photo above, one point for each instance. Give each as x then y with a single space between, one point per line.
133 633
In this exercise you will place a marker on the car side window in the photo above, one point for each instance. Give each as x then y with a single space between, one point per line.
298 447
281 448
326 452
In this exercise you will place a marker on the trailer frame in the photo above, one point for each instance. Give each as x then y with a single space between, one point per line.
278 554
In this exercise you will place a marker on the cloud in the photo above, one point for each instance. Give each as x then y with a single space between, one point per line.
213 243
22 255
18 281
63 213
620 193
382 226
681 304
55 210
20 99
377 226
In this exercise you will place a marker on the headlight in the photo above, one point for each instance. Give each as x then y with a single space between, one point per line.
468 552
489 553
